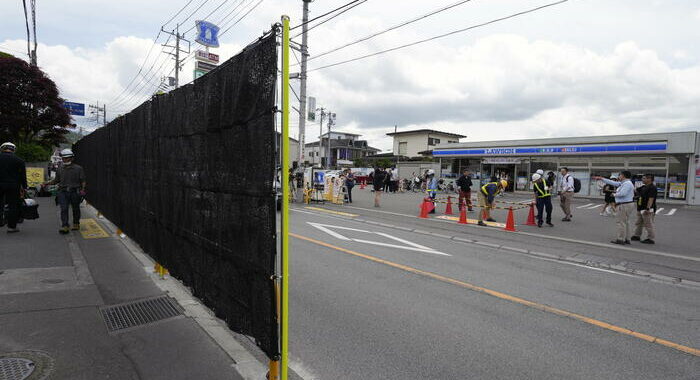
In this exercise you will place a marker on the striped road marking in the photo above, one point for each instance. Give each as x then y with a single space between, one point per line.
596 206
507 297
90 229
673 211
586 205
659 210
330 211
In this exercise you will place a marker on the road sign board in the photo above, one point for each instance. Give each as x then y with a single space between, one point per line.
203 55
207 33
77 109
198 73
203 66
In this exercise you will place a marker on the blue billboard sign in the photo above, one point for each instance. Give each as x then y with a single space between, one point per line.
555 150
77 109
207 33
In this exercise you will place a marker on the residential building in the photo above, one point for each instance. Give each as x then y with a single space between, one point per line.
345 147
293 150
412 143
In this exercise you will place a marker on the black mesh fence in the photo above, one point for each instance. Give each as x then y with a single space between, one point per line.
188 175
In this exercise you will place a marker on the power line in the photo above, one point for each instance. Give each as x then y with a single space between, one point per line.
326 14
440 36
332 17
397 26
178 12
210 13
242 17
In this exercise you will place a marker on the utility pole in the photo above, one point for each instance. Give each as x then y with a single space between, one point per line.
95 110
320 136
176 53
331 122
302 84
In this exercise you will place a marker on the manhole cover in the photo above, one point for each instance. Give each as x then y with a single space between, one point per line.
29 365
52 281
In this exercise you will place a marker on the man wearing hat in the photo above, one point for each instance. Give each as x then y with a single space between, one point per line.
487 197
13 181
71 189
543 199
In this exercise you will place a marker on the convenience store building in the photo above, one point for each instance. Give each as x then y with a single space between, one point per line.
672 157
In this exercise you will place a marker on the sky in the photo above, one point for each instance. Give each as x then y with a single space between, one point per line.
580 68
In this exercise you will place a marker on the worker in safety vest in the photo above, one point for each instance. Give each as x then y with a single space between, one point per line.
431 186
543 199
486 196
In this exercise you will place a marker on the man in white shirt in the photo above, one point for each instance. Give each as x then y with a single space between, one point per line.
624 199
566 193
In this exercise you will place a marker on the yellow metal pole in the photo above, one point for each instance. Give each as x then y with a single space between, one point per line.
284 331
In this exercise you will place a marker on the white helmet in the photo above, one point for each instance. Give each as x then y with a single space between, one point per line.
536 176
66 153
540 172
8 146
430 172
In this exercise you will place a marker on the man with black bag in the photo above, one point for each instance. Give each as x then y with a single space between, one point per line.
71 190
13 181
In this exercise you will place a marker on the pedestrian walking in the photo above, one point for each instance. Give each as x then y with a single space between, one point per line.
487 197
464 184
378 184
431 187
566 193
13 182
608 191
624 198
349 183
394 180
70 179
646 210
543 199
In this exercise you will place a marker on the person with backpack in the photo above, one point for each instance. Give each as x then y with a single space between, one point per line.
624 199
566 193
13 182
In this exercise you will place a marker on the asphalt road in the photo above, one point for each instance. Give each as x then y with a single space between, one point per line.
375 302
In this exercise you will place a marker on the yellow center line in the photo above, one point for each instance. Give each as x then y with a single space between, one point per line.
330 211
507 297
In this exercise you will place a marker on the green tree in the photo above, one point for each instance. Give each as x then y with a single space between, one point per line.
31 111
384 163
32 152
359 163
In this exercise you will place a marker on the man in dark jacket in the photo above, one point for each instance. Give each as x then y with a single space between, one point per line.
464 182
13 181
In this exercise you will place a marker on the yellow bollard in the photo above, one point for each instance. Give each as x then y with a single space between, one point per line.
274 372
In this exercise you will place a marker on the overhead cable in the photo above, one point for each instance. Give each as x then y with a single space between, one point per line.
325 14
439 36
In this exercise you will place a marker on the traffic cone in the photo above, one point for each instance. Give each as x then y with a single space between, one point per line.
448 208
463 215
531 216
362 185
424 209
510 221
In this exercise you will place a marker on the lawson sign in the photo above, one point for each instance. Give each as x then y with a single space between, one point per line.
654 147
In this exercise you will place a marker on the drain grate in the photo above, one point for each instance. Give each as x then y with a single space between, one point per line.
15 368
138 313
30 365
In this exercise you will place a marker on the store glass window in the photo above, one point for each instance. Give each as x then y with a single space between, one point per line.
522 176
677 184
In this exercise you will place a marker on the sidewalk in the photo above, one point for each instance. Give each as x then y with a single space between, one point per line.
55 290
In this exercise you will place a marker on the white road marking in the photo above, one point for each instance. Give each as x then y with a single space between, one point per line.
673 211
659 210
586 205
411 246
596 206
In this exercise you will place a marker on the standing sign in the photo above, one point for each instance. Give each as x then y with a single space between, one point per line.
311 109
203 55
198 73
77 109
207 33
203 66
35 177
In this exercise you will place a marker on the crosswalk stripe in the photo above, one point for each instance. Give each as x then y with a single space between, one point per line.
673 211
586 205
659 210
596 206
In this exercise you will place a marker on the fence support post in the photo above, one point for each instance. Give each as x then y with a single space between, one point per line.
284 330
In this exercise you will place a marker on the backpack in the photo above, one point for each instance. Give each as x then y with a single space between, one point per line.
577 185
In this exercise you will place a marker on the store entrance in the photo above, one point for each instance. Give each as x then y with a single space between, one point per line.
498 172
